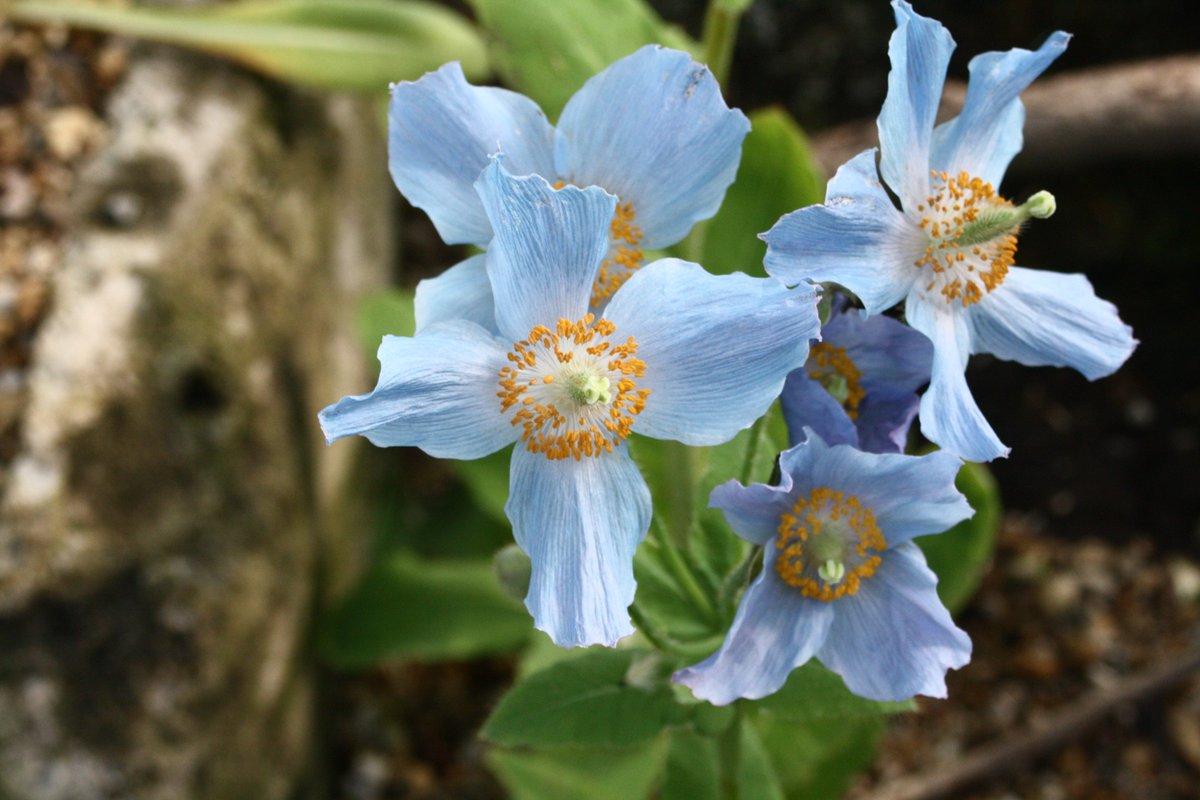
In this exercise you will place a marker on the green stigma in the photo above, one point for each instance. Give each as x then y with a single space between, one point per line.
837 386
588 389
832 571
993 222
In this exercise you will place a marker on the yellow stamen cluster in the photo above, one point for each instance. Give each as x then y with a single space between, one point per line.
826 360
804 545
542 379
624 256
964 270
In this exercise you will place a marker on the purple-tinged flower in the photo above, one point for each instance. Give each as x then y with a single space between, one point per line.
841 578
948 252
651 129
678 354
860 384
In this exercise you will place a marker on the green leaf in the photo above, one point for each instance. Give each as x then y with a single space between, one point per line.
582 701
386 313
664 601
817 759
487 480
579 774
813 692
691 772
413 608
777 175
960 555
756 773
334 44
548 48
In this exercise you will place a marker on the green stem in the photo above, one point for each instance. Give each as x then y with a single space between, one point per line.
729 752
650 631
686 578
680 490
720 36
752 449
737 578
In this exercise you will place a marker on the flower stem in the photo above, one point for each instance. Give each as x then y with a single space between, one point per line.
686 578
680 490
729 753
737 577
720 35
752 449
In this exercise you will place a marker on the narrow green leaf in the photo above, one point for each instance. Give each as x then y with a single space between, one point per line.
413 608
582 701
334 44
817 759
777 175
813 692
960 555
579 774
386 313
548 48
691 772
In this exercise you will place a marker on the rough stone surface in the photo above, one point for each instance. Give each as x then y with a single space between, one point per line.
165 531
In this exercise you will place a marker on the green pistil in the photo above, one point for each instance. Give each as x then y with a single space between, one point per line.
995 222
588 389
837 386
828 549
832 571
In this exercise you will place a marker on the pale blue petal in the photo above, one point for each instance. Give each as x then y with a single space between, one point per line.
983 139
909 495
653 130
461 292
717 348
547 248
436 391
753 512
894 639
441 133
776 630
806 403
949 416
1040 318
919 51
580 522
857 239
884 419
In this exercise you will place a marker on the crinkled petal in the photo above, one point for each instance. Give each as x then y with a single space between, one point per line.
983 139
857 239
436 391
580 522
547 247
1040 318
884 419
461 292
919 51
806 403
441 133
652 129
909 495
894 639
887 352
753 511
716 347
949 415
776 630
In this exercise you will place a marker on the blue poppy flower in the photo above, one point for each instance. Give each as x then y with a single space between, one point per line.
860 384
651 129
948 251
841 578
678 354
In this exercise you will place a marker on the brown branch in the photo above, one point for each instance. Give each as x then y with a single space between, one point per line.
1004 755
1149 108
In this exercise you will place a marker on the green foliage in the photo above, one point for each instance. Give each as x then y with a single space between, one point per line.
813 692
487 480
333 44
385 313
626 773
408 607
587 701
777 175
548 48
756 775
691 772
960 555
817 759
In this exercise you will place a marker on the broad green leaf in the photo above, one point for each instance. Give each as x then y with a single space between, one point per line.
816 760
386 313
691 772
412 608
487 480
813 692
661 598
756 772
333 44
565 773
582 701
960 555
777 175
548 48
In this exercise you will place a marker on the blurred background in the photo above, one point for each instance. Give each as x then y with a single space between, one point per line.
201 249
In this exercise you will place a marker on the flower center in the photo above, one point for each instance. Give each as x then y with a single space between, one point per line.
834 369
972 235
624 256
827 544
573 389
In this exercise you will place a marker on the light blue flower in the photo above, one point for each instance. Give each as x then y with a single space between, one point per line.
948 251
860 384
678 354
651 129
841 578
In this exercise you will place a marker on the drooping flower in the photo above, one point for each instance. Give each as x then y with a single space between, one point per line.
651 129
841 578
860 384
948 251
678 354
